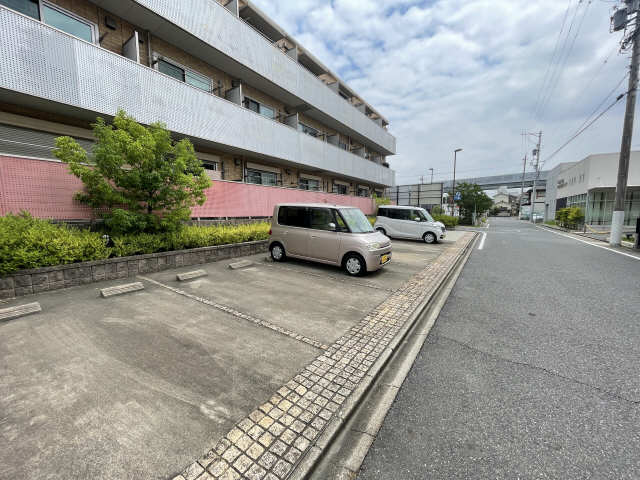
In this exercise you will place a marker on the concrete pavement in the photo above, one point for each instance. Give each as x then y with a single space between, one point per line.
530 371
137 386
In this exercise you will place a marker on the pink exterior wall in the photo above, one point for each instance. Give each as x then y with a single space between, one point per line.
45 189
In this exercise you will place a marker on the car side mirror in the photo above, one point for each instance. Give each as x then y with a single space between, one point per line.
332 226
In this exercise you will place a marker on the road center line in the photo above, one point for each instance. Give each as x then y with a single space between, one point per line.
589 243
484 236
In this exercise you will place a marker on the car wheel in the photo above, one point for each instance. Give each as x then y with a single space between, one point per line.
429 237
277 252
354 265
381 230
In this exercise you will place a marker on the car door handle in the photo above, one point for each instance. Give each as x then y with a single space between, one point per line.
314 236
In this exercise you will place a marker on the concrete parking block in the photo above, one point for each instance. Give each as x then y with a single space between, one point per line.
190 275
19 311
240 264
121 289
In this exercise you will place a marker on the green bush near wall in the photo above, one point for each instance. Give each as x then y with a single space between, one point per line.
448 220
27 242
571 217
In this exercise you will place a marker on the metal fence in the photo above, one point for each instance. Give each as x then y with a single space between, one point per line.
424 195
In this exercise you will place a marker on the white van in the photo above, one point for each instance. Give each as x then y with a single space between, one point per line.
408 222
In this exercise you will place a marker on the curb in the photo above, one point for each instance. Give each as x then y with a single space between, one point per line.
336 426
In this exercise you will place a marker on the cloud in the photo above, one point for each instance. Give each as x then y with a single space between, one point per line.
468 74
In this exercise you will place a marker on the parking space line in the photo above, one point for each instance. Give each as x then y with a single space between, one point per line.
332 277
241 315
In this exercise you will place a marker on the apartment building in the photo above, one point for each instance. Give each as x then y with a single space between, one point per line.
268 120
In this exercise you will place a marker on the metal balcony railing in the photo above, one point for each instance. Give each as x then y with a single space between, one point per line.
43 62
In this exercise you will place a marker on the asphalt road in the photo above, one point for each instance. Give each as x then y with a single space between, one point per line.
531 371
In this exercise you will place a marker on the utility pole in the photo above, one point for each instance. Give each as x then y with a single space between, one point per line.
431 169
536 165
524 169
617 220
453 195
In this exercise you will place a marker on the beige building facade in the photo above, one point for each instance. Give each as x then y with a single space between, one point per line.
258 107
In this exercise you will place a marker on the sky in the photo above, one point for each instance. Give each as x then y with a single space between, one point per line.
472 74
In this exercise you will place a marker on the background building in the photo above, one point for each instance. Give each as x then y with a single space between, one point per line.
591 184
425 195
538 205
268 120
505 202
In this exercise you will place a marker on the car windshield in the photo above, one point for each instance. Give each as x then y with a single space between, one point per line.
425 216
356 221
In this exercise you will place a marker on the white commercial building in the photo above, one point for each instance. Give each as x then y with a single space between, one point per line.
591 184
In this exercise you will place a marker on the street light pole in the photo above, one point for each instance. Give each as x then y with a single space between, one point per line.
431 170
453 202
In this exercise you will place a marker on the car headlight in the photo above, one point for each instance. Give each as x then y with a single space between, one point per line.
373 246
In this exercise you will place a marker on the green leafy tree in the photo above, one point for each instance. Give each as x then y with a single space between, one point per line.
472 198
436 210
381 200
137 178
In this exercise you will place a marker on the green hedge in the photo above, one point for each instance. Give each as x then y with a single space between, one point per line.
27 242
448 220
571 217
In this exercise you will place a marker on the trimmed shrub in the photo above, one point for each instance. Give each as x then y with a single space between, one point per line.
189 237
27 242
570 217
448 220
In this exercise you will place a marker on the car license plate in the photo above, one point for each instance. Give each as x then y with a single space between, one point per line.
384 259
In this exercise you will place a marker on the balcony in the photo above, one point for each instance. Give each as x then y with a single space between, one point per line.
42 65
209 31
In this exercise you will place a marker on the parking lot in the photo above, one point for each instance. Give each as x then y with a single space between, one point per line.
119 387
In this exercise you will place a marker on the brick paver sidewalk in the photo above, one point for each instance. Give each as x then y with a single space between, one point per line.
268 444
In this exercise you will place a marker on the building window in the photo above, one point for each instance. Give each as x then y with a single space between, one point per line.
308 130
211 169
213 166
26 7
68 22
260 177
260 108
56 17
343 146
177 71
363 191
340 188
309 184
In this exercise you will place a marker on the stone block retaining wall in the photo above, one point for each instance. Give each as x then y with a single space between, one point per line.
38 280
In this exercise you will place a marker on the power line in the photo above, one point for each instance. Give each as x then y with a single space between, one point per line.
604 100
555 73
553 56
563 59
579 132
599 70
